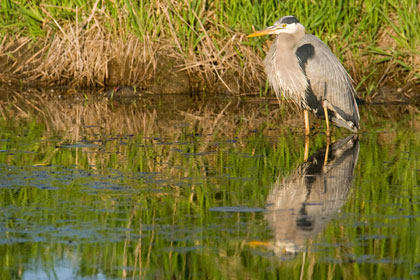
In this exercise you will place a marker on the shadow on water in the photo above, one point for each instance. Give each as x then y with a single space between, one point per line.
174 187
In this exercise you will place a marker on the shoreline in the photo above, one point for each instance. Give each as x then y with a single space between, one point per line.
197 46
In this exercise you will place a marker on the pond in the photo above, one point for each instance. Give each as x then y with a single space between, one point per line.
176 187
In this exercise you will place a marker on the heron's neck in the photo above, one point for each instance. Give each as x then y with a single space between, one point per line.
287 41
283 69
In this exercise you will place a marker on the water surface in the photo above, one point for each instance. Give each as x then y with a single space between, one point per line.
168 187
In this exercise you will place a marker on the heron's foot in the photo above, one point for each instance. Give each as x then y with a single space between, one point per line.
313 130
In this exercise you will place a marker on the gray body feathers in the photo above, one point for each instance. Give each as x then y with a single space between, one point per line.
305 70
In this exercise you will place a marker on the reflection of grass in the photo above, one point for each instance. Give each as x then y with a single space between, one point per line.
230 175
386 201
149 116
122 42
173 174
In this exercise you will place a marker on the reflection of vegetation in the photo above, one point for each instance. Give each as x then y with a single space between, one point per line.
380 232
89 43
127 205
165 188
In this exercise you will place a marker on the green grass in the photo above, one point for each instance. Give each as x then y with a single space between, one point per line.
378 41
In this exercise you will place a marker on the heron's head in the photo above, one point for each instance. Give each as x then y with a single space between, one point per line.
287 24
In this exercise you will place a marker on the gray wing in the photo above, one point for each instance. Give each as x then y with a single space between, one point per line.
328 81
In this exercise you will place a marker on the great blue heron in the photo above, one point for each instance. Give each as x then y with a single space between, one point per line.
305 70
300 205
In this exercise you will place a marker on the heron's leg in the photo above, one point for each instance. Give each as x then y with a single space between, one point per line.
306 117
325 106
306 153
327 151
302 269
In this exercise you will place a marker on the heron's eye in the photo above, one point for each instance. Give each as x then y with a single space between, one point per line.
283 25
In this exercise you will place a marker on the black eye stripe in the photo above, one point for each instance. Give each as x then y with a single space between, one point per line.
289 19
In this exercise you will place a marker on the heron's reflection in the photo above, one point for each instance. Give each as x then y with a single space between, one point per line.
301 205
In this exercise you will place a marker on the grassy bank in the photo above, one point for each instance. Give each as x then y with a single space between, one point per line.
178 46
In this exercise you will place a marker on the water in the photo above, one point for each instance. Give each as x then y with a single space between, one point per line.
171 187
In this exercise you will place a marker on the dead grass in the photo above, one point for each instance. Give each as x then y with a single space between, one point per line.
387 41
88 54
185 49
82 57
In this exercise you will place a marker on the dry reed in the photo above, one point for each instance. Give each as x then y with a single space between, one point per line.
89 54
180 46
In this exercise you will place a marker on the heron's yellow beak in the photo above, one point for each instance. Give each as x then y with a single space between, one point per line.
259 243
269 30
